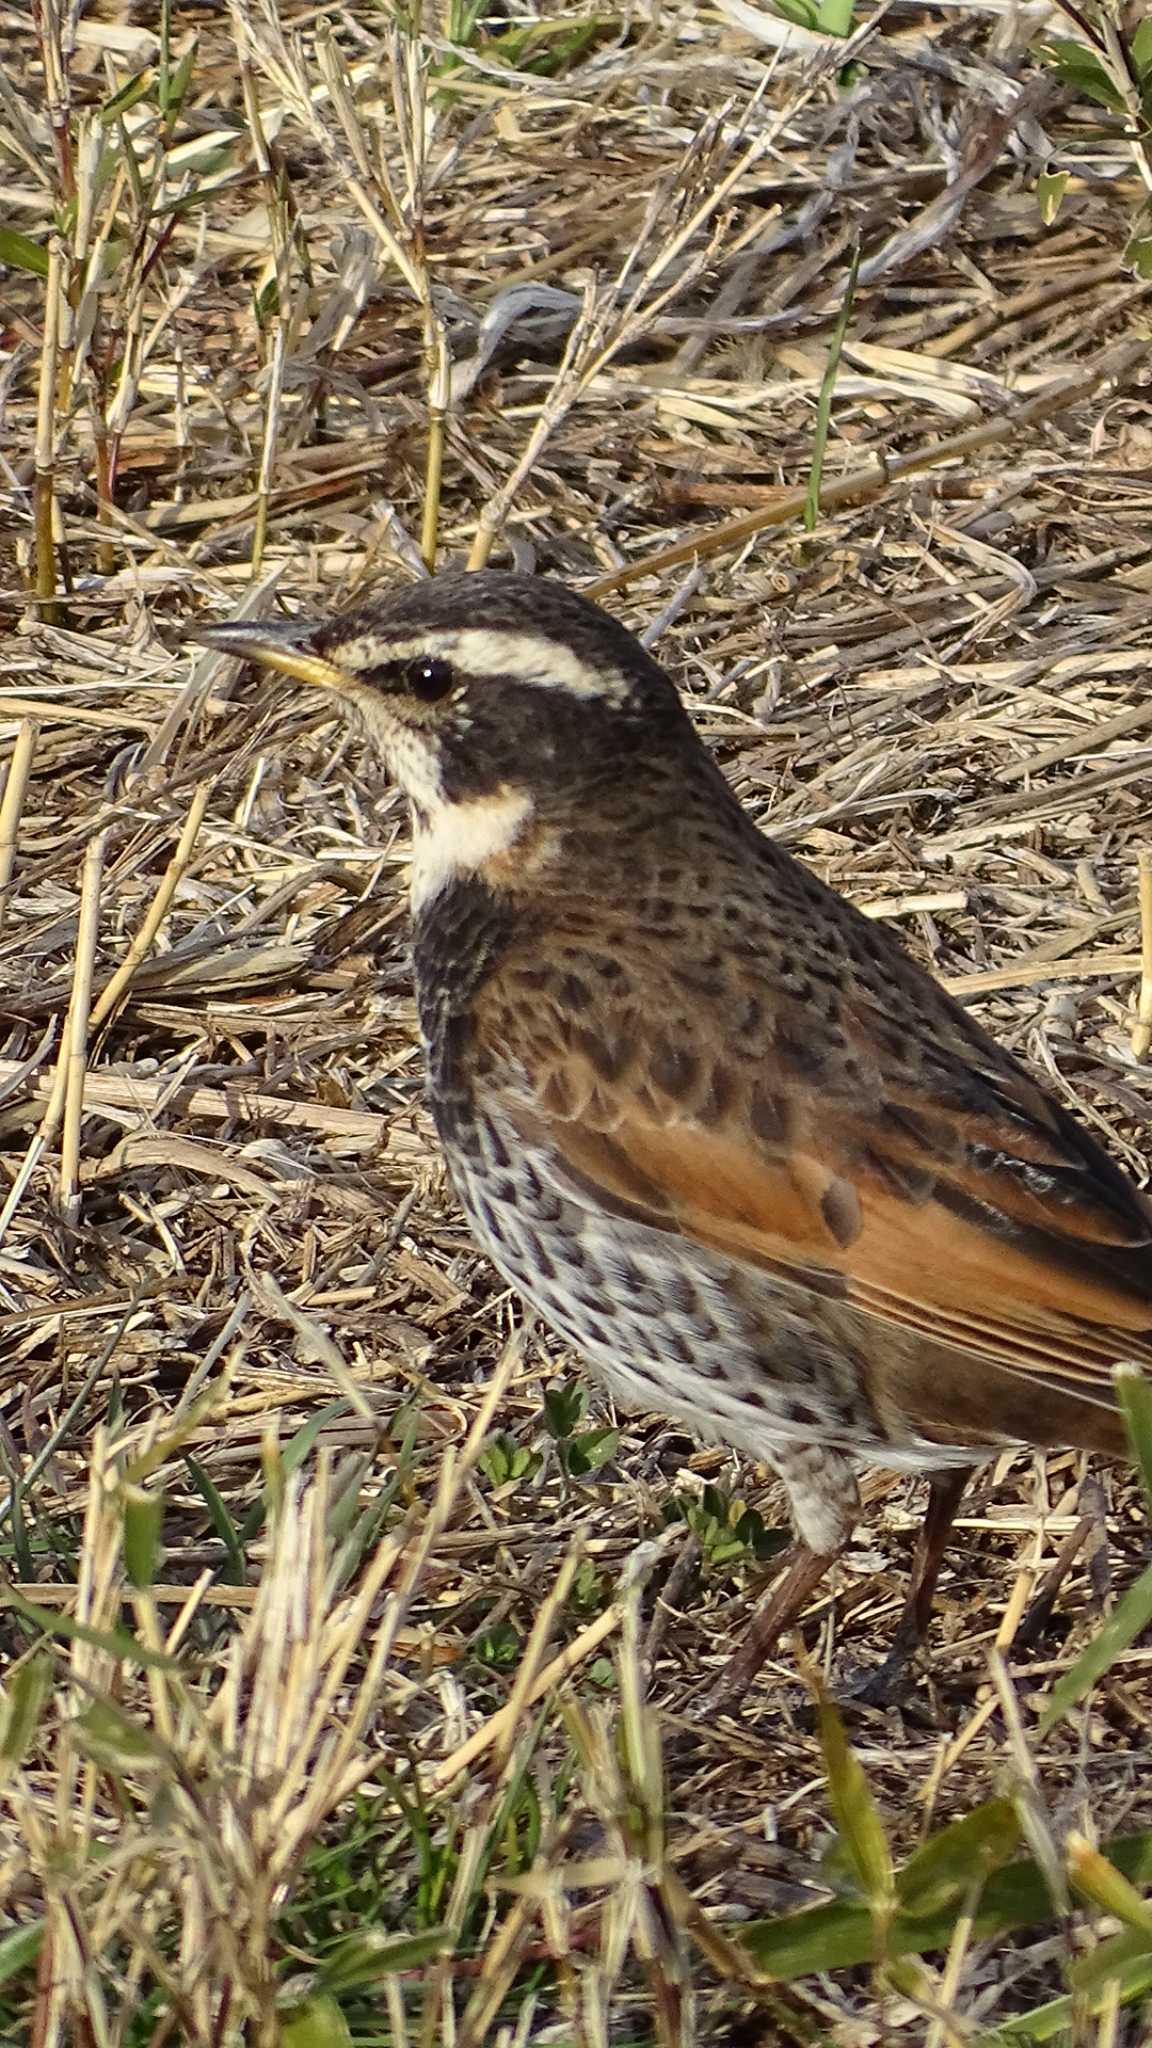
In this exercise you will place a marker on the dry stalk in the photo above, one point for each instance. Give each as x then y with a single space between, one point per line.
281 268
147 1098
364 173
1142 1029
527 1671
270 442
865 483
56 22
408 72
45 450
141 944
617 317
500 1728
65 1096
12 804
74 1050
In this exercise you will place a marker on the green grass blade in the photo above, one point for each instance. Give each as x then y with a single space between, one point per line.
1119 1974
842 1934
19 1949
115 1642
857 1814
28 1691
1134 1393
944 1869
824 402
232 1570
1129 1618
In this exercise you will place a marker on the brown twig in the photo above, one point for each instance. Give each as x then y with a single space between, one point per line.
1142 1029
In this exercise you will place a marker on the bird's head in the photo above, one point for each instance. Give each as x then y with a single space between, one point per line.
495 701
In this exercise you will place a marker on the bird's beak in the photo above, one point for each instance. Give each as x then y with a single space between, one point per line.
283 644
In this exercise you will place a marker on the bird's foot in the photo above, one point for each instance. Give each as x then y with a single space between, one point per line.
1091 1535
889 1683
789 1596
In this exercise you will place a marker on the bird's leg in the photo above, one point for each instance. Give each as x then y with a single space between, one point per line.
824 1501
945 1491
802 1572
1091 1531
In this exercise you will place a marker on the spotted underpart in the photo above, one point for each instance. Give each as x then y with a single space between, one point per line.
688 1341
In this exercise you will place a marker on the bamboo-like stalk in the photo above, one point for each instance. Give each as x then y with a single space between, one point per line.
74 1051
271 441
12 804
65 1101
141 944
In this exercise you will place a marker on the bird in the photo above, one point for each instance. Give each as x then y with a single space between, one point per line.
730 1141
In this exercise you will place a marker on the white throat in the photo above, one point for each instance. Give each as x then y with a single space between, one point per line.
455 841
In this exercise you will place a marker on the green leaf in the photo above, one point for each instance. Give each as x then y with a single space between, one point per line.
1140 49
20 252
500 1646
856 1811
21 1547
564 1409
174 85
1116 1972
1134 1393
590 1450
842 1934
463 16
29 1688
943 1870
120 102
503 1460
1077 68
1138 255
232 1570
834 17
293 1455
318 2023
143 1521
19 1950
112 1738
370 1953
1093 1971
1050 188
824 402
1129 1618
802 12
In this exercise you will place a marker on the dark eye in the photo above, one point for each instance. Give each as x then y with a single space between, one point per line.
428 678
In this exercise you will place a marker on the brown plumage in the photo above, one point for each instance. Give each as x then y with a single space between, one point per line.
730 1140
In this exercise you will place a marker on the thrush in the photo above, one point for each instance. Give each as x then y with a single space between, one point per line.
722 1132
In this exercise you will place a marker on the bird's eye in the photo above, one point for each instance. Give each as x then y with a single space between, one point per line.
428 678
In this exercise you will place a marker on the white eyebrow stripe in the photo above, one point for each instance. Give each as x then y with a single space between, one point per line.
479 650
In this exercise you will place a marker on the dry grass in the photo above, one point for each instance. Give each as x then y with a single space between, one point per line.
320 299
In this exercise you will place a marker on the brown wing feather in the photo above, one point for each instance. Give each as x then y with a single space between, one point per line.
1000 1229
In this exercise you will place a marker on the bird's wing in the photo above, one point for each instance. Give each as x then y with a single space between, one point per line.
970 1209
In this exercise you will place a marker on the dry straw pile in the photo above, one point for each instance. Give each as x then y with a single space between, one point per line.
332 1652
